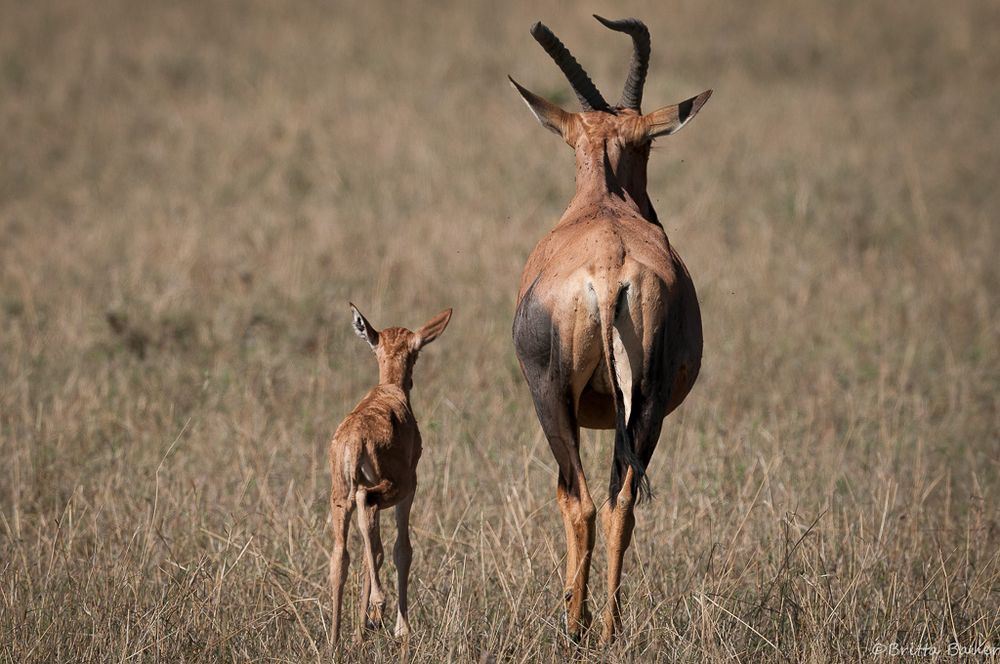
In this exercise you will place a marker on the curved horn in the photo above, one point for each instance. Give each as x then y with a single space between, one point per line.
590 98
632 94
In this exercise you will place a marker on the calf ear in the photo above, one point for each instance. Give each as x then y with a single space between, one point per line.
432 328
548 114
669 119
363 328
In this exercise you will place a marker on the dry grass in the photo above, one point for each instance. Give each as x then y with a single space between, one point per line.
190 193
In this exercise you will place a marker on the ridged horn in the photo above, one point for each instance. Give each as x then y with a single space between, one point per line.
588 94
632 94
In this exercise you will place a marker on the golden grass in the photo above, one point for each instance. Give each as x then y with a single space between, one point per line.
191 192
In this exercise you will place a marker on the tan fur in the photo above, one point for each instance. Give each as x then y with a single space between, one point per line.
373 466
608 245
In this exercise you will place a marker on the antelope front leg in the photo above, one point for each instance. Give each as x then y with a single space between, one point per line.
339 559
371 610
402 554
618 521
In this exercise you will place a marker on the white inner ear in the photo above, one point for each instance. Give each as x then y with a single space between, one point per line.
540 119
680 125
671 129
361 329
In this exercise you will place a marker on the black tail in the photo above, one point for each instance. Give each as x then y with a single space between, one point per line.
625 455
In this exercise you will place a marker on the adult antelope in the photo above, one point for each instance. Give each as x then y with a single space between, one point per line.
607 329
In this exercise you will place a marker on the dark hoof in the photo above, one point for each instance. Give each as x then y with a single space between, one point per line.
373 619
578 632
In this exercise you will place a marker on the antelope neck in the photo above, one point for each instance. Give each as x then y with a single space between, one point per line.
397 375
599 178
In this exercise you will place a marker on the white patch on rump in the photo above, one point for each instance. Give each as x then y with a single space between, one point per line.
623 370
627 349
348 466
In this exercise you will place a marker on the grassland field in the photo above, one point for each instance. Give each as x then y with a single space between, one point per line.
191 192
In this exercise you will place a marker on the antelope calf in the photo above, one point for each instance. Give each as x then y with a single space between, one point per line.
373 465
607 329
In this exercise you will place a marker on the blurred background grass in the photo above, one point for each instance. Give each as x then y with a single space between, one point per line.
190 193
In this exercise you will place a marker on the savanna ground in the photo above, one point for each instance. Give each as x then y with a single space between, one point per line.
191 192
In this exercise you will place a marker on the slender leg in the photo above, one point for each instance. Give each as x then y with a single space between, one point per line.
340 559
563 499
371 612
402 554
575 503
618 522
547 361
363 599
579 510
578 514
368 525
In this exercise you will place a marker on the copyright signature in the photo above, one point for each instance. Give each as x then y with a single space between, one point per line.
953 649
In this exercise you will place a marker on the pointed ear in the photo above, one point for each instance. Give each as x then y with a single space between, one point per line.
432 328
551 116
363 328
669 119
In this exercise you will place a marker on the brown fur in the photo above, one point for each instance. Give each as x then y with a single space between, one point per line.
373 466
606 282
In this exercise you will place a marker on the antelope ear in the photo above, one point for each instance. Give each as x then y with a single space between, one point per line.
548 114
432 329
363 328
669 119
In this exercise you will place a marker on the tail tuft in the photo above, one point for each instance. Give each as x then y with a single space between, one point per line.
625 457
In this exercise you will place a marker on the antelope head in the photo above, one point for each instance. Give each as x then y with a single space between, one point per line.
397 348
611 143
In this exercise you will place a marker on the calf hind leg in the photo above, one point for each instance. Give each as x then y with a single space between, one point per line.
372 601
370 611
402 554
339 560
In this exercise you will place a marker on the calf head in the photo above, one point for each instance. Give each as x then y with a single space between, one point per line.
397 348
